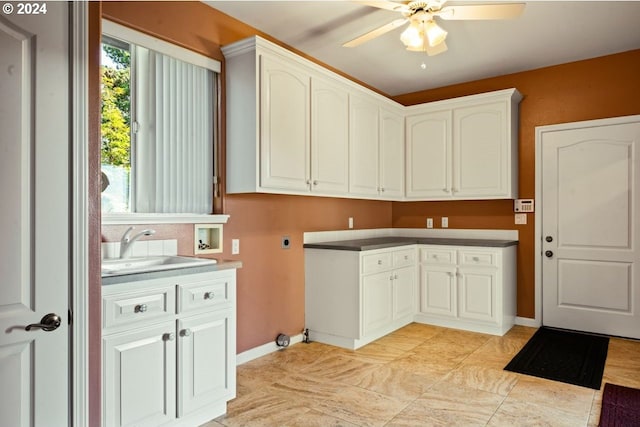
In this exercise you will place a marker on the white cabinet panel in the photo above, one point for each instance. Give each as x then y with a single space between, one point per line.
177 365
470 288
206 350
428 163
363 146
139 376
391 154
376 301
284 125
404 292
329 137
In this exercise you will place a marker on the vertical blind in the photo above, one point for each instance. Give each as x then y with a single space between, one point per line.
173 134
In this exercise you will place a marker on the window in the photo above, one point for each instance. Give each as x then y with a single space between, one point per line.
158 125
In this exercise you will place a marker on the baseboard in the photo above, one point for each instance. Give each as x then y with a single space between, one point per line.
263 350
525 321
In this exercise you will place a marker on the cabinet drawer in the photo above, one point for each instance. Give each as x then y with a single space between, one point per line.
479 258
151 304
438 256
404 258
204 294
375 263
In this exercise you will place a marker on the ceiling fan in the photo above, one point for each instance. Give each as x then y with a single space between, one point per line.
423 33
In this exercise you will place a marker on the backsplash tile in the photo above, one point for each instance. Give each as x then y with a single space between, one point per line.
142 248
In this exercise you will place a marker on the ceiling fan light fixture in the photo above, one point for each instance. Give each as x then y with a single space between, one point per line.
435 34
413 36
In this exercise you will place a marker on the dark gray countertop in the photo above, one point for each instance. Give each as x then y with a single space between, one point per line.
135 277
390 242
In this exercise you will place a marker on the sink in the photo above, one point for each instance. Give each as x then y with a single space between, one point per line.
118 266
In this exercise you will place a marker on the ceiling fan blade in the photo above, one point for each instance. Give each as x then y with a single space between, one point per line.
375 33
482 11
384 4
437 49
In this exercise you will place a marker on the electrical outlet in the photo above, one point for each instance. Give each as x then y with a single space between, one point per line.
429 222
286 242
521 218
350 222
235 246
444 222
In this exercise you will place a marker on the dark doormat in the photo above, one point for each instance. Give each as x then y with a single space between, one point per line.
620 406
565 356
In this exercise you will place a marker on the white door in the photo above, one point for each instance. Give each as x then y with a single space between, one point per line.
591 227
34 189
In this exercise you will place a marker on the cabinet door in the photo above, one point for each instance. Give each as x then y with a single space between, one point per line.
284 125
363 143
404 292
478 294
329 137
428 161
481 151
376 301
139 386
391 154
206 360
438 290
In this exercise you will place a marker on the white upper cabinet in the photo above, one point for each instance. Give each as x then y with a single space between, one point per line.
465 148
284 125
294 127
329 136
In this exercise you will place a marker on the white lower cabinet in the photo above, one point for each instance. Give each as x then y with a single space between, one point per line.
168 350
353 297
471 288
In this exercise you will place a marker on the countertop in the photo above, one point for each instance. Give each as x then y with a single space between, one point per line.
390 242
134 277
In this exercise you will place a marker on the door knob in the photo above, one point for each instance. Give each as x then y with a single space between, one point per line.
548 254
549 239
48 323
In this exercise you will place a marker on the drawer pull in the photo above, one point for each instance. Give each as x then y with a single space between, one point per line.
475 258
140 308
406 257
209 295
169 337
185 333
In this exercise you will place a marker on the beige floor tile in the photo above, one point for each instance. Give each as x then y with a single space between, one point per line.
514 413
444 405
419 331
401 342
376 353
396 382
339 367
261 409
256 376
315 418
486 379
574 400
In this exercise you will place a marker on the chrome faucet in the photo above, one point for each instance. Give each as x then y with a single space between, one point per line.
126 242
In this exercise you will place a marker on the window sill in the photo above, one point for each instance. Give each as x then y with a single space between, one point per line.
162 218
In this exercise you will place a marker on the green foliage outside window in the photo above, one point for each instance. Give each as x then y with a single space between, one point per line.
116 105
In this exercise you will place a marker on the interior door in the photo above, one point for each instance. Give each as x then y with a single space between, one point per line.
591 228
34 189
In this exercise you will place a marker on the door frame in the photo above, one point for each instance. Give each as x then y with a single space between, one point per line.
540 131
79 210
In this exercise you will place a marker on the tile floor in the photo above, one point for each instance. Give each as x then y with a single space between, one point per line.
420 375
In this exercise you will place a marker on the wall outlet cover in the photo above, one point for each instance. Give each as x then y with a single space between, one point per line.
521 218
286 242
235 246
429 222
445 222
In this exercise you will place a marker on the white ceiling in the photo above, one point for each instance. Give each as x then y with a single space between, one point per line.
547 33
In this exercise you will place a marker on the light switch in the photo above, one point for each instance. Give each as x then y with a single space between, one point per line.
445 222
235 246
521 218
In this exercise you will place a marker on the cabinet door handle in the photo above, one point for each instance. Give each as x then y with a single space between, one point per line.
379 262
391 278
169 336
209 295
140 308
315 182
395 277
185 332
382 189
475 258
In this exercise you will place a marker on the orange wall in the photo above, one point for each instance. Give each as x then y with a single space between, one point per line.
271 283
597 88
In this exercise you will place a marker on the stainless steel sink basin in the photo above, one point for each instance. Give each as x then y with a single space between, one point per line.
117 266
